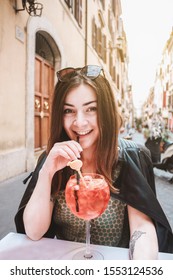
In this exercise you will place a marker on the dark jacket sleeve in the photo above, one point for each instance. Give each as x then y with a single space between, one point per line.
27 194
137 188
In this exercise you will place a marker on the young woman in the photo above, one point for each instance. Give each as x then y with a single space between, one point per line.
84 107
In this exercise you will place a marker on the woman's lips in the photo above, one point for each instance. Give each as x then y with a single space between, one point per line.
83 133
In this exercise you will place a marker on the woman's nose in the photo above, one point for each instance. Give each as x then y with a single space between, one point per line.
80 120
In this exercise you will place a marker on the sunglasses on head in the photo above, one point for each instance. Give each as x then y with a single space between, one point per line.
89 71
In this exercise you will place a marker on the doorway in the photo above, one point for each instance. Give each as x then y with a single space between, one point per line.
44 85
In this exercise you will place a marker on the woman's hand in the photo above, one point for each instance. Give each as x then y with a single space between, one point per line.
60 154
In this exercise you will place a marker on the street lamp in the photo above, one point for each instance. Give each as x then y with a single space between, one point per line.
31 6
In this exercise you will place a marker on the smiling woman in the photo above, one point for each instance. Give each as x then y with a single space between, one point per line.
85 124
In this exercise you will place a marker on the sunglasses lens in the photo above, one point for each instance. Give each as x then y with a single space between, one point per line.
64 72
91 71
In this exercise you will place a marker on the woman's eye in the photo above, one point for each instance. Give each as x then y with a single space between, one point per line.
68 111
92 109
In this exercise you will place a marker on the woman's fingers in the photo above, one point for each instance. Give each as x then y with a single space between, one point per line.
69 149
60 154
66 152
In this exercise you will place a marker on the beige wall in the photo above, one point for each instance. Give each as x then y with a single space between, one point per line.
12 93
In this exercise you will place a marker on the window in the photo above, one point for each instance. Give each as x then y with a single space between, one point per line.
69 3
103 4
114 74
78 11
43 48
99 42
114 7
110 63
109 21
94 34
104 48
118 81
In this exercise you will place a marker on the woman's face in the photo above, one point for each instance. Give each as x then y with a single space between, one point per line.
80 116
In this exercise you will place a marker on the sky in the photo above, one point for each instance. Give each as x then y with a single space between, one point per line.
148 25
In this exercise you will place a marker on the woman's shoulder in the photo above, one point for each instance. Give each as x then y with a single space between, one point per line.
132 146
124 143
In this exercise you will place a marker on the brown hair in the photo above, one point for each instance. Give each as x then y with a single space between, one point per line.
109 121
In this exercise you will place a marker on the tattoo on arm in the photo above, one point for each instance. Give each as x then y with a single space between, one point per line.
135 236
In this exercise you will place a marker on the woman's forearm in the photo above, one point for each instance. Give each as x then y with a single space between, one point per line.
38 212
143 245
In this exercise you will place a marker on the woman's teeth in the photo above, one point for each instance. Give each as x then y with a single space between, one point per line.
83 132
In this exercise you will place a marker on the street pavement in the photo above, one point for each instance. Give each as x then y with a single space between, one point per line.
11 192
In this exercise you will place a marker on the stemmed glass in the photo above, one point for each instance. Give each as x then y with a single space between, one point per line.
87 198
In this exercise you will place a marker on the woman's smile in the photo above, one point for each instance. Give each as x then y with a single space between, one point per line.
83 133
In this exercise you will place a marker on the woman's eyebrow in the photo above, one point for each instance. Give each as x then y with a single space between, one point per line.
85 104
90 102
68 104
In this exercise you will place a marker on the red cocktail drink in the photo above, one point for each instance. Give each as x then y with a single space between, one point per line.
89 199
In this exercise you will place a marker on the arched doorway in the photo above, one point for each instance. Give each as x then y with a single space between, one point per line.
49 32
44 84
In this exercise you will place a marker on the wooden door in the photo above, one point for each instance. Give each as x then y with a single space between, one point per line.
44 84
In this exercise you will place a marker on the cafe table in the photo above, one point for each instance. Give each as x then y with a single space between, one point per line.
15 246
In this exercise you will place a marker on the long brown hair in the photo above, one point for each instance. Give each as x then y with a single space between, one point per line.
109 121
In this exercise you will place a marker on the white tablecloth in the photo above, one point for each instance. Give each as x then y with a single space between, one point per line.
16 246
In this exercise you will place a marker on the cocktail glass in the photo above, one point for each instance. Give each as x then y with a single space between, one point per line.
87 198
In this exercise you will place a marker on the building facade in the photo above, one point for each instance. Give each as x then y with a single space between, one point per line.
33 48
160 99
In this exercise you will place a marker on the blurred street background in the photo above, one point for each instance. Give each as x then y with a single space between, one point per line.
11 192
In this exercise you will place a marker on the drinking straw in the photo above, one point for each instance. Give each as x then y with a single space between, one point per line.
78 182
78 172
76 200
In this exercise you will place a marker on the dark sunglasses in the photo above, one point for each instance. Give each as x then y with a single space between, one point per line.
89 71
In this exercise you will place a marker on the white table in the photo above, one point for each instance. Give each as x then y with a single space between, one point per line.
16 246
